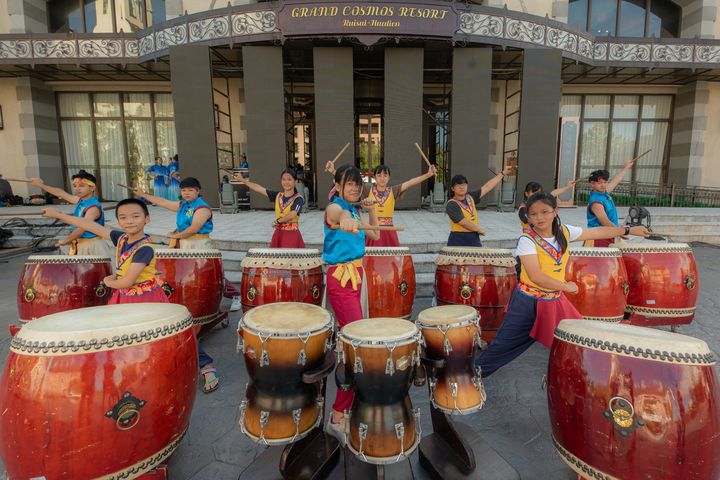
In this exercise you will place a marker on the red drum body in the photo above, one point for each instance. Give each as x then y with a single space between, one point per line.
103 392
281 275
57 283
483 278
629 402
664 283
193 278
390 277
602 282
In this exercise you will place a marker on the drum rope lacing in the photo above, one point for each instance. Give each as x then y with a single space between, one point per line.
288 260
63 259
188 254
680 248
660 312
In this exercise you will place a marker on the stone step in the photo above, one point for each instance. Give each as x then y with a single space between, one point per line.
685 217
683 227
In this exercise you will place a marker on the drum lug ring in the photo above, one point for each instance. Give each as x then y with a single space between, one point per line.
622 414
690 282
315 290
29 294
100 290
126 412
466 291
251 293
626 288
403 287
168 289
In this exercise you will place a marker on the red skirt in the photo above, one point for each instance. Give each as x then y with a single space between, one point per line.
153 296
287 239
387 239
548 314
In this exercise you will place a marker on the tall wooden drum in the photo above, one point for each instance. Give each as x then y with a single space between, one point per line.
281 275
390 276
602 282
57 283
101 392
483 278
664 283
628 402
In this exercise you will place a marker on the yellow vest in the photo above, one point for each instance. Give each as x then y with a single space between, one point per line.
282 209
385 206
549 265
125 260
468 213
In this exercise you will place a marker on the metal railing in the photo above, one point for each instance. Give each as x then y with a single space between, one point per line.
654 195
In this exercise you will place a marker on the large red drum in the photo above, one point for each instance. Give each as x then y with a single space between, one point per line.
664 283
390 276
56 283
628 402
483 278
602 282
193 278
281 275
102 392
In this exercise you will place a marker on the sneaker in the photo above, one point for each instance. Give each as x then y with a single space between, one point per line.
336 430
236 304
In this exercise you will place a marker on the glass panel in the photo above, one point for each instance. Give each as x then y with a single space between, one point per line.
632 18
597 106
163 105
648 175
106 104
577 14
656 106
155 12
78 143
653 135
570 105
166 142
602 17
141 150
65 16
626 106
594 147
622 144
136 104
129 15
664 19
74 104
109 179
111 156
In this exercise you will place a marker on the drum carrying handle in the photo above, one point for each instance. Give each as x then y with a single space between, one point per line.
126 414
622 414
690 282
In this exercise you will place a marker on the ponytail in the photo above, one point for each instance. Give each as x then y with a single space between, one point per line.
557 230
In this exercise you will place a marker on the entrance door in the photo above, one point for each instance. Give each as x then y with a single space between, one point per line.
368 135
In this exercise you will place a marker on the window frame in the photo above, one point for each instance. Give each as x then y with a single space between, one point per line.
113 10
648 6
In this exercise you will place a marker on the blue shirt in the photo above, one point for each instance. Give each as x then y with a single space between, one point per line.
82 206
159 171
339 246
184 216
608 204
172 168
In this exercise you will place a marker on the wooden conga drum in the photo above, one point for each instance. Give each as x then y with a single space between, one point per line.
390 277
101 392
280 341
193 278
56 283
281 275
452 333
628 402
380 355
483 278
664 283
602 282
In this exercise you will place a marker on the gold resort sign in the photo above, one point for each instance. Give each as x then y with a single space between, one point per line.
423 19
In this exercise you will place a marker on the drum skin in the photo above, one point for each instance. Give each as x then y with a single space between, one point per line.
192 279
602 285
56 422
390 282
261 285
47 288
664 287
677 404
486 287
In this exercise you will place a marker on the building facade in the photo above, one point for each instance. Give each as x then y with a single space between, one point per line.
562 87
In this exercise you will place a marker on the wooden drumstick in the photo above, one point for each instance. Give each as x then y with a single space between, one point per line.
23 180
125 186
340 153
379 228
422 154
641 155
24 214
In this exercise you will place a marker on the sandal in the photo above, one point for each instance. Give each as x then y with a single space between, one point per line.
211 380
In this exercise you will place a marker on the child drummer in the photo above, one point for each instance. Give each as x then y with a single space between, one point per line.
87 205
134 280
343 250
601 210
532 188
538 303
194 225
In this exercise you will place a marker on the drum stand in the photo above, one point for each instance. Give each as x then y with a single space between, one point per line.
453 450
309 458
220 317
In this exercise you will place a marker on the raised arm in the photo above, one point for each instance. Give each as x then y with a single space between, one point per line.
84 223
58 192
432 171
159 201
619 176
255 187
493 182
559 191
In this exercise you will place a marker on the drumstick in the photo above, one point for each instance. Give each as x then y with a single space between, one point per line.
340 153
376 228
422 154
125 186
23 180
641 155
19 214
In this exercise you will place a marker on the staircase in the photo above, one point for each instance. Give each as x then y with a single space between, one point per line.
688 227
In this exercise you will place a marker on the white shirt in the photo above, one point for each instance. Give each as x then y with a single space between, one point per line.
526 246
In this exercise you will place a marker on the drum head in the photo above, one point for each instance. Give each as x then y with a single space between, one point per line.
386 251
282 258
447 315
475 256
381 329
653 247
594 252
187 253
287 318
283 252
59 259
633 341
109 327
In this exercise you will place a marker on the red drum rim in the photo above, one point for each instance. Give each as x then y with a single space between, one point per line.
646 247
63 259
95 329
448 316
282 258
379 332
594 252
386 251
286 319
187 253
636 342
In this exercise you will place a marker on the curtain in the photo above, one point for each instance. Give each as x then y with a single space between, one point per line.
594 147
111 155
106 104
622 145
166 141
163 105
653 135
74 104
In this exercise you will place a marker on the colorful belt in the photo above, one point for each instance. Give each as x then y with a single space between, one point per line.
385 221
175 242
73 246
289 226
348 272
140 288
537 292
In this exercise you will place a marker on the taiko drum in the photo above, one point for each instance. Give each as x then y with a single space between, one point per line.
602 282
390 277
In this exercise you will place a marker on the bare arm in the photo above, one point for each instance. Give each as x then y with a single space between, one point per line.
127 280
91 214
602 217
255 187
160 202
598 233
559 191
199 218
287 218
58 192
84 223
531 266
471 226
493 182
419 179
619 176
369 207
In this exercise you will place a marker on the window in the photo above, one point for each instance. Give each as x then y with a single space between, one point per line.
615 128
625 18
96 16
